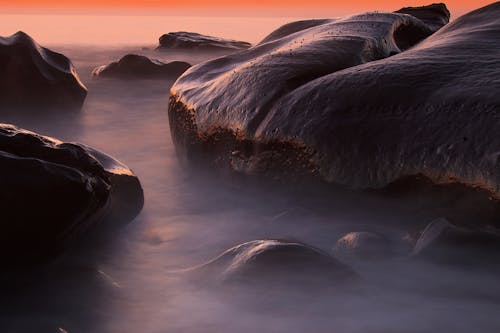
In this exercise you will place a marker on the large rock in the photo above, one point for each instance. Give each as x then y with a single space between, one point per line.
276 261
141 67
53 192
362 101
32 75
193 41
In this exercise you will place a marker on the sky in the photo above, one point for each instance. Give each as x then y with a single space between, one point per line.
231 7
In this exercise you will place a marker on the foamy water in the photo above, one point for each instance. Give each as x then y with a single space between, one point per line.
126 284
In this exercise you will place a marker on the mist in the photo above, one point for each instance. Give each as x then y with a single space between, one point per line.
140 280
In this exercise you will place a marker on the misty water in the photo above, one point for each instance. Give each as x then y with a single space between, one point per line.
132 281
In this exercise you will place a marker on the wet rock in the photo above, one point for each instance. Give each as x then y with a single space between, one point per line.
443 242
193 41
364 245
140 67
55 192
276 261
361 102
34 76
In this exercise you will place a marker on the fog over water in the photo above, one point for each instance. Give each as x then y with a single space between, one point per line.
134 281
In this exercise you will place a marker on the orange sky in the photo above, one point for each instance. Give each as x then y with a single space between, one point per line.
457 6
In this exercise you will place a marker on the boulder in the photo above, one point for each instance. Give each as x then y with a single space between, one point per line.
54 192
193 41
361 102
443 242
276 261
134 66
34 76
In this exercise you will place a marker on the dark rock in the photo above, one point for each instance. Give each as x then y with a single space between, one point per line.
435 15
33 76
443 242
141 67
54 192
189 40
360 102
364 245
274 261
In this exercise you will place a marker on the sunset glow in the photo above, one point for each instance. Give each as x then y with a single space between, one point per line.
226 6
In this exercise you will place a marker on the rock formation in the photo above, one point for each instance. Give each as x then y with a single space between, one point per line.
362 102
141 67
192 41
53 192
33 76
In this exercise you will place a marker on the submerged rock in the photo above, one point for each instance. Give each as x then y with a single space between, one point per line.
275 261
443 242
361 101
141 67
190 40
53 192
34 76
364 245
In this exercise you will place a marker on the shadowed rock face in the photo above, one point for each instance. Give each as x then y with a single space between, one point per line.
33 76
435 15
276 262
443 242
136 66
344 102
190 40
53 192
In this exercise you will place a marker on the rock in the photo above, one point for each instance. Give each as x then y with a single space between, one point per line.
34 76
192 41
364 245
54 192
275 261
435 15
443 242
360 102
141 67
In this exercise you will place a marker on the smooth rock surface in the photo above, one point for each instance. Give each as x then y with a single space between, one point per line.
34 76
193 41
277 261
140 67
54 192
362 102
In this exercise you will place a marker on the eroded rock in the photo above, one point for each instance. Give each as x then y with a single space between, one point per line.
54 192
136 66
361 102
34 76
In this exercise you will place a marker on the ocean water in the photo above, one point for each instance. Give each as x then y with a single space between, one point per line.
130 282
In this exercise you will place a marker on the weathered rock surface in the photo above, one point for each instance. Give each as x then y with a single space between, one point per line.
277 262
53 192
362 102
32 75
136 66
193 41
